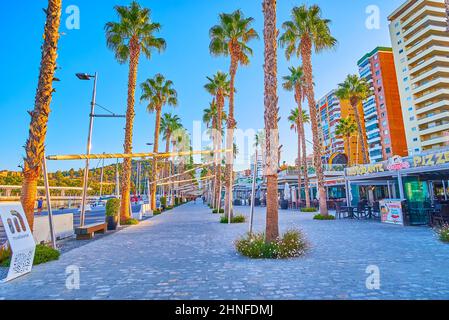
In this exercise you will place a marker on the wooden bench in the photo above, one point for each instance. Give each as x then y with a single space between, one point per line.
87 232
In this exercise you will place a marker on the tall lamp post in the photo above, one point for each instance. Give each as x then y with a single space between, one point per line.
85 77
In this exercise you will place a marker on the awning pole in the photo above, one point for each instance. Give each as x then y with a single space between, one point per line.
401 186
50 213
444 189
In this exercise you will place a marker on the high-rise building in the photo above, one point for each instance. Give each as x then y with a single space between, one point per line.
330 110
420 42
382 110
259 166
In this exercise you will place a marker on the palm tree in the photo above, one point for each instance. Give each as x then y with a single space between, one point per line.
219 87
306 31
271 120
158 92
35 144
169 124
346 129
356 90
133 34
295 82
297 124
230 38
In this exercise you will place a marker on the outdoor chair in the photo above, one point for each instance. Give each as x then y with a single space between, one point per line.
440 218
340 211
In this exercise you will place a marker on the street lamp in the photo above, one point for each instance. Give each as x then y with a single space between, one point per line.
86 77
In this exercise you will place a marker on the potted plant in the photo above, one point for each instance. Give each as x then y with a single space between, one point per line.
112 213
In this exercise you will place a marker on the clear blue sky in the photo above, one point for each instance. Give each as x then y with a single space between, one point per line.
185 26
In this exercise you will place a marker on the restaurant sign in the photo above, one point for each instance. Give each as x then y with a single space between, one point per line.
398 163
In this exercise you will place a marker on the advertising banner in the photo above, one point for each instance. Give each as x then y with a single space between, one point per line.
391 211
20 239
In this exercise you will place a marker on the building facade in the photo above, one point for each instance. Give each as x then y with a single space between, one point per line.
420 42
330 110
382 110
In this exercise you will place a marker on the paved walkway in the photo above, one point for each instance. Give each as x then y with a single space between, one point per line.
187 254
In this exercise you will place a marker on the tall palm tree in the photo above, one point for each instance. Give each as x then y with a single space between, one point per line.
230 38
35 143
132 35
158 92
169 124
270 33
356 90
346 129
297 123
295 82
219 86
307 31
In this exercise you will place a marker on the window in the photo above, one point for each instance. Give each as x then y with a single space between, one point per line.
386 132
407 89
414 129
402 60
388 150
396 24
384 123
404 70
410 109
417 150
412 118
401 51
377 73
409 98
382 114
376 65
405 79
386 141
399 42
398 33
415 139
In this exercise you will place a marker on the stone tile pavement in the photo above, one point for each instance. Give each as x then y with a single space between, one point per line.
187 254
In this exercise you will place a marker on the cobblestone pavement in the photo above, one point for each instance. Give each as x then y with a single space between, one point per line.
187 254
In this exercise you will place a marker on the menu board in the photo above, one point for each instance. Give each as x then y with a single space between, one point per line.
391 211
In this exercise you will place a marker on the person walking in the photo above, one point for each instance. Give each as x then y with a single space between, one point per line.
40 204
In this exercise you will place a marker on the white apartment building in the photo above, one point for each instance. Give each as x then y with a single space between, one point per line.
420 41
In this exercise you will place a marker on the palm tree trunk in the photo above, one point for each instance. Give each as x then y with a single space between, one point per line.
35 144
155 150
304 167
348 141
355 103
306 52
219 142
230 135
299 160
130 113
166 170
271 119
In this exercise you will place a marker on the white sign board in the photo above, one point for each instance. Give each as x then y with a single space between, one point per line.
20 239
391 212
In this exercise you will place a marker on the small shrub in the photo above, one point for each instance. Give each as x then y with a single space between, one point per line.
168 208
443 233
5 253
131 222
163 202
291 245
156 212
235 219
321 217
215 211
43 254
113 207
176 201
309 210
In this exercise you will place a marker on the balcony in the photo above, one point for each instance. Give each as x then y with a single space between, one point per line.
426 10
424 33
435 60
432 106
433 117
435 129
431 73
426 42
427 19
371 123
440 82
434 141
432 95
429 53
374 140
